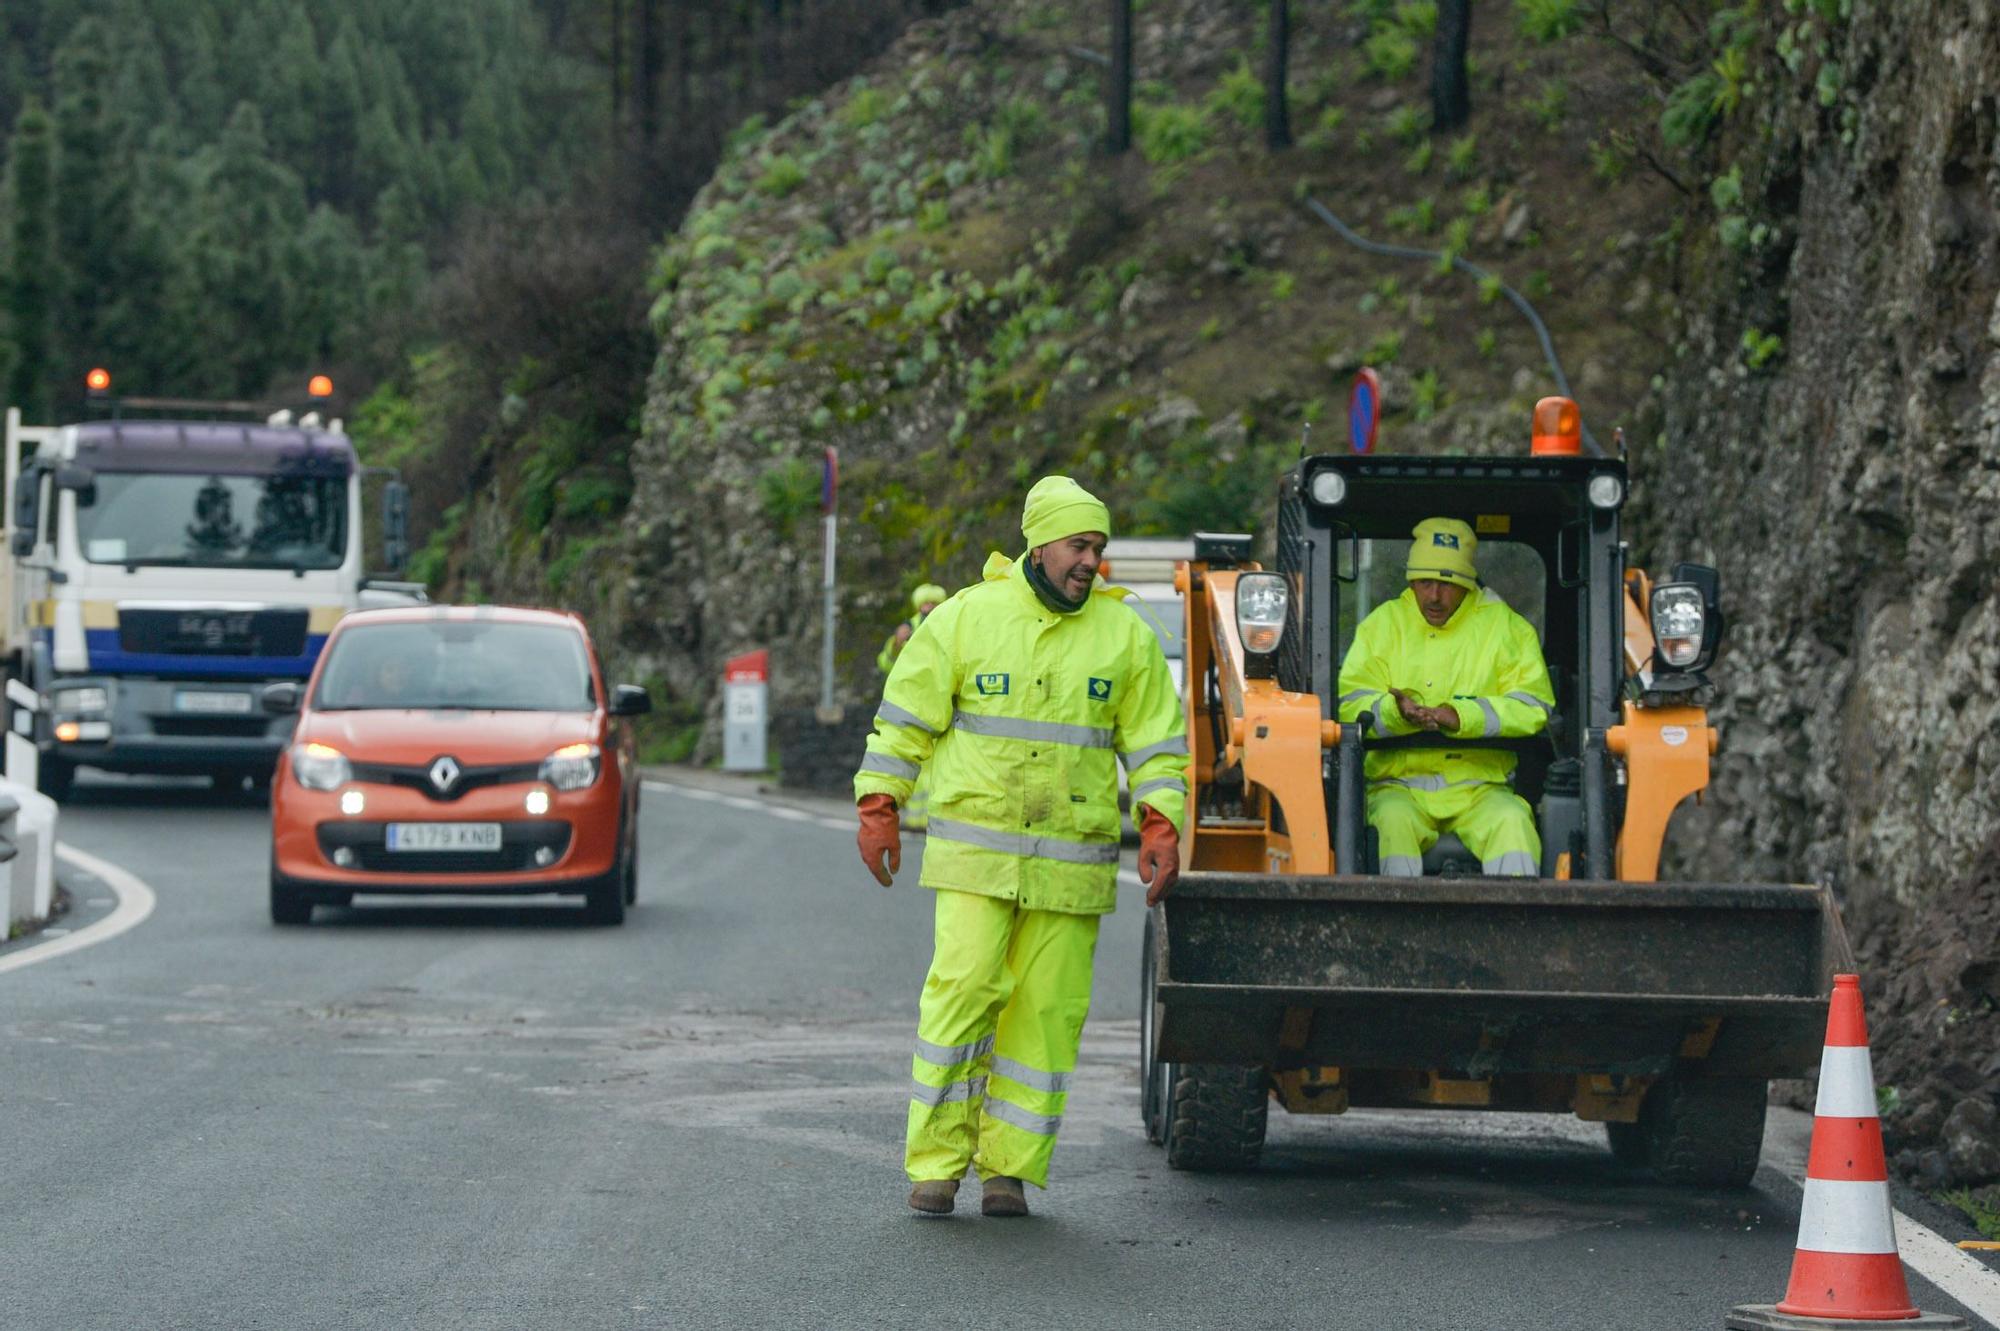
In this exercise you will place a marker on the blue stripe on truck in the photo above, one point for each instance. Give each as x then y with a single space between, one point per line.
106 657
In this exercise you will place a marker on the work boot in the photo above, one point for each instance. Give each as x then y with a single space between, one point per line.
934 1196
1003 1196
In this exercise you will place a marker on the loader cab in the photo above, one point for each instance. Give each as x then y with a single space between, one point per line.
1548 530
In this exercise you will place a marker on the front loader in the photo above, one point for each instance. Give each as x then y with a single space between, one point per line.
1285 967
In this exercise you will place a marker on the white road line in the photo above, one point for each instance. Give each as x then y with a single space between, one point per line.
1959 1274
135 903
789 815
837 824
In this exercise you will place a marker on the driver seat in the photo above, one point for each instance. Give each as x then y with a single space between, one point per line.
1448 858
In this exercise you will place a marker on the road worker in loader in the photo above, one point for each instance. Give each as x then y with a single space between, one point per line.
1449 657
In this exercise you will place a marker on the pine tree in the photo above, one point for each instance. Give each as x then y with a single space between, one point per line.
31 284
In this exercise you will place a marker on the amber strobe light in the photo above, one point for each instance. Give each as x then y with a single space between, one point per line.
1558 428
98 380
319 386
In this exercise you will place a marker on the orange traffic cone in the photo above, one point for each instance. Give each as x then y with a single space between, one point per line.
1845 1269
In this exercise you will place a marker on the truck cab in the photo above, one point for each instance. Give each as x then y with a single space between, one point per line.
161 572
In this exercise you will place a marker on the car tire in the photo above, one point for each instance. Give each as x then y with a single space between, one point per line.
55 778
604 899
289 905
631 870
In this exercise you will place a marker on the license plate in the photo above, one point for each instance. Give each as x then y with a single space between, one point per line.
188 700
444 836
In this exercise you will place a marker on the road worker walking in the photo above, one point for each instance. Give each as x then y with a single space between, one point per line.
1020 693
1450 657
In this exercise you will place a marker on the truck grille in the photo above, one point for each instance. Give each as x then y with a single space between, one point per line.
213 632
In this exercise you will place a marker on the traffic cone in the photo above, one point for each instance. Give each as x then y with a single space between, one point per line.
1845 1268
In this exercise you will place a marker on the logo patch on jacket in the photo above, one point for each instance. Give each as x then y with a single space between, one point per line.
990 686
1445 539
1100 689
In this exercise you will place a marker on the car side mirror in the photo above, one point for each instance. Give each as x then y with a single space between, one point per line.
281 699
630 700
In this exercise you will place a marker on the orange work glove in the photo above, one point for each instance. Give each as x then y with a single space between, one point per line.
881 836
1159 854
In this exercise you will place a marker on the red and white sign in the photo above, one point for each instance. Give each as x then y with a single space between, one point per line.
749 668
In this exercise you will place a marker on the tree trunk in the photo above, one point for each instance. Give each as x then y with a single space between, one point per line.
1118 89
652 56
1451 99
1277 111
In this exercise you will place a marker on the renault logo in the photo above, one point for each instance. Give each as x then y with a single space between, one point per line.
444 774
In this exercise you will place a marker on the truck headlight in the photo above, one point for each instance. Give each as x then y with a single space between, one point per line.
572 767
1262 600
320 767
79 701
1680 621
1329 488
1605 490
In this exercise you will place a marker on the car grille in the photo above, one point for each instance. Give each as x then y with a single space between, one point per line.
469 778
518 843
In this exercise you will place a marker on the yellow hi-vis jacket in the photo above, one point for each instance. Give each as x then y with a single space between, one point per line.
1021 712
1485 662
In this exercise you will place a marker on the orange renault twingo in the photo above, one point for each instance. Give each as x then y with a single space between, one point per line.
455 749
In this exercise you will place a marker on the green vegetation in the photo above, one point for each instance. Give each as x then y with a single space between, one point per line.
1549 20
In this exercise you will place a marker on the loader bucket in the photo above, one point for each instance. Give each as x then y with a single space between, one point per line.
1494 976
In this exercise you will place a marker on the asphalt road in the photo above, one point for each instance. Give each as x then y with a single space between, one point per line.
487 1115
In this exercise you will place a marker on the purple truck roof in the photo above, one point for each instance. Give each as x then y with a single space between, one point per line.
213 448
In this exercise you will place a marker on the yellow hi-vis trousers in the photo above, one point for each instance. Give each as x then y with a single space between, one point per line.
997 1032
1408 816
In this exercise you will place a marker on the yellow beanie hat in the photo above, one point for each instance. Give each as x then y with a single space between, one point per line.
928 594
1059 507
1443 550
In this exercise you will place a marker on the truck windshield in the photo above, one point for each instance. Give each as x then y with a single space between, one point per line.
457 664
135 518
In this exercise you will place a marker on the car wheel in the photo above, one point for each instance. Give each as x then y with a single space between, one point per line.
630 877
604 899
288 904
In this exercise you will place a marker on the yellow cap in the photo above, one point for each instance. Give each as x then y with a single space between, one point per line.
928 594
1443 549
1059 507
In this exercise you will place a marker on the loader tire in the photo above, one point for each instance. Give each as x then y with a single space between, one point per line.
1629 1144
1156 1078
1216 1117
1705 1131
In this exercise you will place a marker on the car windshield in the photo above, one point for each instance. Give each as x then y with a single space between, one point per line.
135 518
482 665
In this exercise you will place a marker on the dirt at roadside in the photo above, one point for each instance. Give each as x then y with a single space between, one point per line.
1932 990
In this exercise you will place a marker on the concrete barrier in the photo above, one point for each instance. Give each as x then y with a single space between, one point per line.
28 825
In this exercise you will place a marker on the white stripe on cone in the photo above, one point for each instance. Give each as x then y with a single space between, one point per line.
1852 1217
1846 1083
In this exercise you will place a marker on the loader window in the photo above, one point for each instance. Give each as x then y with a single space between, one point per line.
1512 569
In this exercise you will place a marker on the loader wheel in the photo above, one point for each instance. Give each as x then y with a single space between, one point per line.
1216 1117
1706 1131
1629 1146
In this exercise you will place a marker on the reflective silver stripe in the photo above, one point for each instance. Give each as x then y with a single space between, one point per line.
1533 701
1036 847
1403 866
1172 783
925 1094
945 1055
889 765
1347 698
1042 1125
1055 1083
1381 721
1514 864
1430 784
896 716
1138 758
1041 732
1492 723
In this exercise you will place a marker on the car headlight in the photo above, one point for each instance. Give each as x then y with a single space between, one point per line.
82 700
1261 602
1329 488
320 767
1680 619
1605 490
572 767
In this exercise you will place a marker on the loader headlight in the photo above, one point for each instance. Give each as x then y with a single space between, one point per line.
1680 623
320 766
1329 488
1605 490
1262 600
572 767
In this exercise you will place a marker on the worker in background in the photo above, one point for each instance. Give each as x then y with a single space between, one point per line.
1020 692
1449 657
916 807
